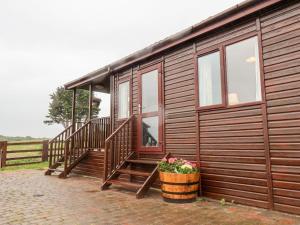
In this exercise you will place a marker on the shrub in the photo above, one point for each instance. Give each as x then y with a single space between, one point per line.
174 165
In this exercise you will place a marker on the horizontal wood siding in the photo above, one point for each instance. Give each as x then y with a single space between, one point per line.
232 145
281 46
232 155
180 127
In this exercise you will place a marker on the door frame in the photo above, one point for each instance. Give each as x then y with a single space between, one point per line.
160 113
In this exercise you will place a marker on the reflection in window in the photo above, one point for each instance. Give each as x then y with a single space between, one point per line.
123 106
150 131
209 73
243 72
150 91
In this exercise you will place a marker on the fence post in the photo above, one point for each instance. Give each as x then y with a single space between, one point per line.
45 150
3 152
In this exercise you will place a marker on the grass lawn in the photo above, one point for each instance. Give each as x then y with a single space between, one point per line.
37 165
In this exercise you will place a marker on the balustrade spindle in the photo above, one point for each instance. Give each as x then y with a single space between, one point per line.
117 147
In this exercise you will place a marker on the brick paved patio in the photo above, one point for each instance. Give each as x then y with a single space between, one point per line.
29 197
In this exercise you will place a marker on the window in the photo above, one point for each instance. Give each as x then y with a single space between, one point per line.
209 76
243 73
230 75
150 91
150 131
123 107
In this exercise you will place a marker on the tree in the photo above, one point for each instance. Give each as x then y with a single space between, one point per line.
60 107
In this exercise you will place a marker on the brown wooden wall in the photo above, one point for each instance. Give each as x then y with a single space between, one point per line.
180 126
281 45
232 144
249 154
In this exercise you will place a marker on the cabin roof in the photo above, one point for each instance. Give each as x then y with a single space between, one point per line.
212 23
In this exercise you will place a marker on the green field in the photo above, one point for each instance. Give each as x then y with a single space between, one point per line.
37 166
41 165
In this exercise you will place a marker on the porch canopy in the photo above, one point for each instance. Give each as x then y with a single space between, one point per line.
98 80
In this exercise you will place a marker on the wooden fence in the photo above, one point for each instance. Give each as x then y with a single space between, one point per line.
20 153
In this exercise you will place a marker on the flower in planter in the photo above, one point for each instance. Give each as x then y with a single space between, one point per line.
172 160
180 166
186 166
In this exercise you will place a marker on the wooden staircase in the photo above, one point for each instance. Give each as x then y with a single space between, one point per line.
91 151
92 165
69 150
123 167
134 174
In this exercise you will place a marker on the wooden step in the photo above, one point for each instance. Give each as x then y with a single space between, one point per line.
91 166
134 172
88 173
56 170
142 161
125 183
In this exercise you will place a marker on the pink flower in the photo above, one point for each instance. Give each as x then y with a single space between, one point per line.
194 165
172 160
164 160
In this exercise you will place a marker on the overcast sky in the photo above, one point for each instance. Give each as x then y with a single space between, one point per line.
44 44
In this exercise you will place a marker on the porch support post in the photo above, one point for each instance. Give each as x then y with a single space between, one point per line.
90 101
90 114
74 111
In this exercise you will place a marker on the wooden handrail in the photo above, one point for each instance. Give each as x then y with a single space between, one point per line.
90 136
56 147
117 147
53 139
77 131
69 148
75 147
118 129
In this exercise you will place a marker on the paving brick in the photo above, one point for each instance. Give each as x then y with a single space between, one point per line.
29 197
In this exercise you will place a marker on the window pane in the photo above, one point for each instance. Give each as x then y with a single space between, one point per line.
123 100
209 79
150 131
243 73
150 92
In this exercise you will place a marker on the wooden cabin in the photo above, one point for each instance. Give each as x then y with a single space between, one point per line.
224 93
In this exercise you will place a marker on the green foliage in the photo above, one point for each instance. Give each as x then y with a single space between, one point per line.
18 138
174 165
223 202
201 200
60 107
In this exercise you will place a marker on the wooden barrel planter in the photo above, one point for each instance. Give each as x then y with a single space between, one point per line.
179 188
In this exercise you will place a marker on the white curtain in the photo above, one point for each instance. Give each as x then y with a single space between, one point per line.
257 72
123 100
205 83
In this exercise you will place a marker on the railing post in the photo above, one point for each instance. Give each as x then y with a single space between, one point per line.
51 154
3 152
90 133
45 150
66 156
105 161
